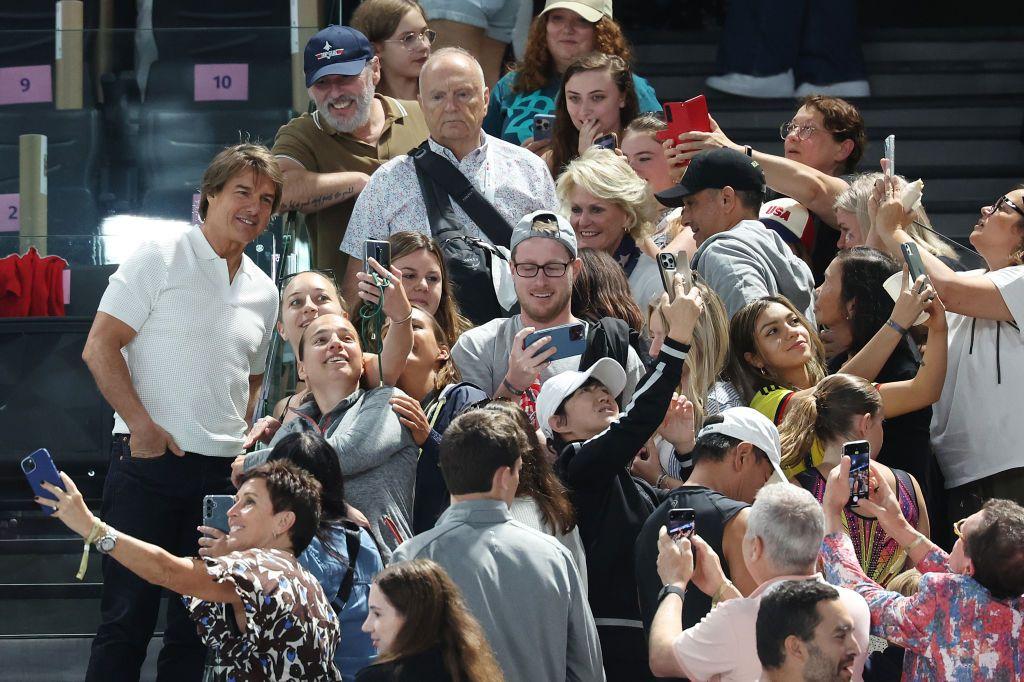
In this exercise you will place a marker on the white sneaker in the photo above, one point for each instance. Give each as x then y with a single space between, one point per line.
844 89
779 85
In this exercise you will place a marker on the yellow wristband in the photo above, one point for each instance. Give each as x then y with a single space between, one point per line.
97 526
720 591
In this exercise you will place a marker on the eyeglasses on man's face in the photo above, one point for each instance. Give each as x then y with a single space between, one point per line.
958 528
530 270
410 40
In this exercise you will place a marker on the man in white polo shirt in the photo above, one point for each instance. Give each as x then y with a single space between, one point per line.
178 348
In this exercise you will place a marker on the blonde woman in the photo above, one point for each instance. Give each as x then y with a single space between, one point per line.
701 385
611 209
855 218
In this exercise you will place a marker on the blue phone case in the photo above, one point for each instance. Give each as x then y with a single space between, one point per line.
215 511
570 340
38 468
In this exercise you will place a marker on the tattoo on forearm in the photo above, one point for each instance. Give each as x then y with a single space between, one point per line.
317 203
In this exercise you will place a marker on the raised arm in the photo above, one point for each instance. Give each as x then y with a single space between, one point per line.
901 397
812 188
373 437
149 562
970 295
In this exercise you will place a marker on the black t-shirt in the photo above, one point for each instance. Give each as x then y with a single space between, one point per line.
427 666
714 510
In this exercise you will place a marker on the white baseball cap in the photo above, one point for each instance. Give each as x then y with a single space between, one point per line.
559 387
591 10
750 426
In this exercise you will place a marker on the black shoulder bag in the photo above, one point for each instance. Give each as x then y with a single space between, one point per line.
469 260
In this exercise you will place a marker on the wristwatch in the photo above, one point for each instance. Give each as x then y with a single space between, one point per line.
671 589
106 542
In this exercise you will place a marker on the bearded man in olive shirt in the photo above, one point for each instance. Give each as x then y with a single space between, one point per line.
327 156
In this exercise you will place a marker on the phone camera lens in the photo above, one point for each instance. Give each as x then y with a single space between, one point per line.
28 466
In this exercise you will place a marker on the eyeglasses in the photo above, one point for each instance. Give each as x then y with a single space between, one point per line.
1006 200
530 270
802 132
409 40
326 272
958 528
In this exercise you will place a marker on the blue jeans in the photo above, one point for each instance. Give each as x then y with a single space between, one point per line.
816 38
157 500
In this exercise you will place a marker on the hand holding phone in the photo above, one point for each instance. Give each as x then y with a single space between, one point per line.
215 511
543 127
38 469
568 339
912 255
684 117
859 452
682 523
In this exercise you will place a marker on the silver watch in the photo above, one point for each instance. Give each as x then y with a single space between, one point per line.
105 544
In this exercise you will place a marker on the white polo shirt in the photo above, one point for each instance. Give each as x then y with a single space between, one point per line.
976 427
198 338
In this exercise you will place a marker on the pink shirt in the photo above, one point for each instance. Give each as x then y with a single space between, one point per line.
723 645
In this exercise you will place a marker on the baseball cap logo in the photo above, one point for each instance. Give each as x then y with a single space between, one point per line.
329 51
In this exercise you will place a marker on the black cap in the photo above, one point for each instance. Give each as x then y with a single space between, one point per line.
715 169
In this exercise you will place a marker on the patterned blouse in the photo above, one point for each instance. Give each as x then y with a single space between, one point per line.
291 631
952 629
880 556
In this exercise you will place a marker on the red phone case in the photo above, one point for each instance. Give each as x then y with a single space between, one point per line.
684 117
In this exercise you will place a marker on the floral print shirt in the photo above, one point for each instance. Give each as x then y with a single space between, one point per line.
291 631
952 629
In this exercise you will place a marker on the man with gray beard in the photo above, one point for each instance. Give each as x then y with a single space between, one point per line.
327 156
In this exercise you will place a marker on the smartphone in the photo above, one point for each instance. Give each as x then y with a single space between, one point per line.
859 452
667 267
890 155
912 255
380 251
569 340
608 141
38 469
682 522
683 117
543 126
215 511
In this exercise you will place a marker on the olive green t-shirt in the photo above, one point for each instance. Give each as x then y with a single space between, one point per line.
319 148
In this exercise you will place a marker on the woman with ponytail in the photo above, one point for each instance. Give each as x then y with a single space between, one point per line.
423 630
844 408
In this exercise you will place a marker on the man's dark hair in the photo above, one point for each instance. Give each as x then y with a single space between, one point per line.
996 547
789 609
475 445
751 199
295 490
713 447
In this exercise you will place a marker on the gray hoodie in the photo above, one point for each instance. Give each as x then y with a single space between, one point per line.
377 455
750 261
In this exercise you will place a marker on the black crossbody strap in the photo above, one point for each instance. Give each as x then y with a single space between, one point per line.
440 213
442 172
352 544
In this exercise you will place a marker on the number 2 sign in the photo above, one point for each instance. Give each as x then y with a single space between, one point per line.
9 209
24 84
218 82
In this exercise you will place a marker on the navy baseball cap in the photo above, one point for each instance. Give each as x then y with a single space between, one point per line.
715 169
336 50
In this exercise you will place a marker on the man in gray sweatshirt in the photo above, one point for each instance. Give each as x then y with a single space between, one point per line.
737 255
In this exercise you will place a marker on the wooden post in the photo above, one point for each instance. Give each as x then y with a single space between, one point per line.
104 61
304 26
69 54
32 190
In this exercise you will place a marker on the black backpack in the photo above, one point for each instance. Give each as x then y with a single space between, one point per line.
470 261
